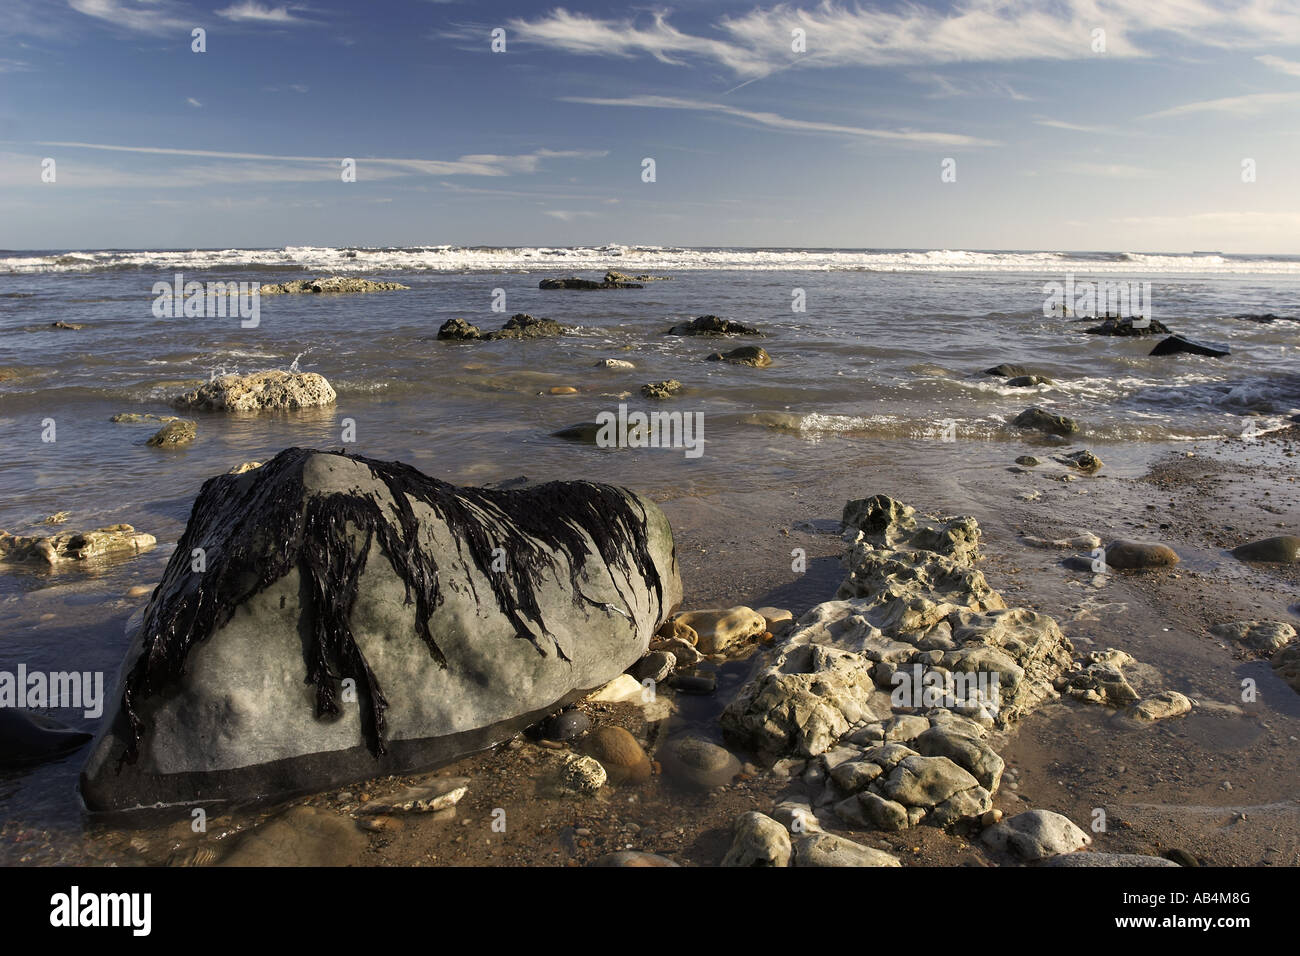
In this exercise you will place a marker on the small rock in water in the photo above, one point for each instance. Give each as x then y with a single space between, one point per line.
1028 381
174 434
1040 420
138 590
1085 461
719 629
712 325
1029 461
619 753
442 793
751 355
563 390
1135 555
1168 703
655 667
1267 636
1176 344
301 836
1008 371
662 390
699 764
693 683
615 363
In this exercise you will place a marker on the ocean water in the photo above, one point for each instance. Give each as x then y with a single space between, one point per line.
882 366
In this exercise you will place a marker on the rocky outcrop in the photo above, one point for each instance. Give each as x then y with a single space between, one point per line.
1176 345
174 434
712 325
330 285
1044 421
662 390
890 687
521 325
259 391
354 618
1129 327
113 541
573 282
613 276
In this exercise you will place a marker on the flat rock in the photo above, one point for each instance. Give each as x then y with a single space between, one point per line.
751 355
721 628
634 858
824 849
1268 636
1106 859
112 541
329 285
1131 326
258 391
1176 344
1161 706
712 325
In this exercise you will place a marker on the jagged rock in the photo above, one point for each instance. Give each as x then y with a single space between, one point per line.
1040 420
973 755
1135 555
1176 344
718 629
1036 835
135 418
244 466
324 567
751 355
662 390
1268 636
458 330
113 541
824 849
925 781
1081 542
259 390
1101 680
1129 327
758 840
582 774
521 325
174 434
1283 549
712 325
332 284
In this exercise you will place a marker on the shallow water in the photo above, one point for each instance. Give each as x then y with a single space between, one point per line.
866 381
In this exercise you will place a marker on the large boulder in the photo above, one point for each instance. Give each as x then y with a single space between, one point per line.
350 618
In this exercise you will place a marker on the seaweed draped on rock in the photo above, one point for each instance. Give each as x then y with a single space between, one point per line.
328 618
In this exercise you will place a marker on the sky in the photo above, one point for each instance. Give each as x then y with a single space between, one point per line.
1152 126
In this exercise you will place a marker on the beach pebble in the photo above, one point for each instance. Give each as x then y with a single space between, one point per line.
614 363
582 774
566 725
655 666
1134 555
698 764
619 753
1283 549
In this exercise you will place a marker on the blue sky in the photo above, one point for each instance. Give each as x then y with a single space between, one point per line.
1057 144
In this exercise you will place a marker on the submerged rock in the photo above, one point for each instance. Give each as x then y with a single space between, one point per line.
1043 421
613 276
1267 636
751 355
698 764
113 541
1176 344
662 390
357 618
332 284
1129 327
1028 381
712 325
1283 549
521 325
258 391
174 434
1008 371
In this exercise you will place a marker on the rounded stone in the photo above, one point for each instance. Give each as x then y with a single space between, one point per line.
619 753
699 764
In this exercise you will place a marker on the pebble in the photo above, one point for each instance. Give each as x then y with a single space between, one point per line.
566 725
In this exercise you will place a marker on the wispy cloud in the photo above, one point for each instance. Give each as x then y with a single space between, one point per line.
759 42
1289 67
192 101
777 121
141 16
1076 127
568 215
1252 104
485 164
249 11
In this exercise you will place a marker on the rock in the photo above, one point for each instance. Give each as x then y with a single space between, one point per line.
458 330
1176 344
243 467
113 541
634 858
1036 835
991 817
975 756
174 434
139 590
905 727
300 837
693 683
1181 857
442 793
330 285
1008 371
1085 461
750 355
873 811
259 390
1286 663
70 326
1081 542
699 764
1105 859
1268 636
582 774
231 685
576 283
616 363
683 654
1028 381
1029 461
622 688
662 390
718 629
654 667
758 840
1136 555
612 276
712 325
566 725
774 616
925 781
1043 421
796 816
1168 703
824 849
1283 549
27 738
135 418
619 753
586 432
1129 327
853 776
1101 680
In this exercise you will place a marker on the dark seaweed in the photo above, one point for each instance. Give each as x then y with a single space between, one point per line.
327 538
